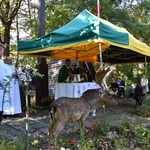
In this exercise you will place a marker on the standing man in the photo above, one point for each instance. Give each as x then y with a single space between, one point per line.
121 88
13 103
2 74
82 71
144 85
65 72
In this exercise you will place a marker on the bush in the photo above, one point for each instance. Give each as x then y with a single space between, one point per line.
19 143
144 110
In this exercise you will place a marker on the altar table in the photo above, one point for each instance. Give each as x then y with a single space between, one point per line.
73 90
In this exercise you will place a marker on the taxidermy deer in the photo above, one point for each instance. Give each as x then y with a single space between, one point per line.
65 109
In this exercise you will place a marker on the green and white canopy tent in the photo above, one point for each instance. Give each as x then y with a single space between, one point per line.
80 38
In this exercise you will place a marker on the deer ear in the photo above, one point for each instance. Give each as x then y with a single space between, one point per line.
103 94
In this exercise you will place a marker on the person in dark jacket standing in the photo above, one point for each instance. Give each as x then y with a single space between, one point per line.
138 95
121 88
82 71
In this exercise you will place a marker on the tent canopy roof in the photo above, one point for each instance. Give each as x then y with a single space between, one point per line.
80 38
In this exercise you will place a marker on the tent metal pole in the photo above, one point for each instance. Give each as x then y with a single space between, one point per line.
100 50
98 9
100 46
101 61
146 66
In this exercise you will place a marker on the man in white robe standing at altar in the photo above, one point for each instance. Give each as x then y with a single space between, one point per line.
2 74
12 104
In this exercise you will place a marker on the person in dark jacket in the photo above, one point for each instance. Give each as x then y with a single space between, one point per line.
82 71
138 95
121 88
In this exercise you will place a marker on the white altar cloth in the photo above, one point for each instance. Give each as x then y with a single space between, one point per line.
73 90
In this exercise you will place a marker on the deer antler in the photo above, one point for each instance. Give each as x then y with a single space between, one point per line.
101 76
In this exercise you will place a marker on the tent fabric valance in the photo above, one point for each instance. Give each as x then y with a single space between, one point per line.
80 38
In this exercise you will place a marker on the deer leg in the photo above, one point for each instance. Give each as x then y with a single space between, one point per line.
59 127
52 124
81 124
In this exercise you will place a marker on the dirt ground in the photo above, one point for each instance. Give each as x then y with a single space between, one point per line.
115 115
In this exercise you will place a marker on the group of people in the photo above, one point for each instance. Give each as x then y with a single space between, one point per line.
140 90
119 87
10 102
136 91
68 75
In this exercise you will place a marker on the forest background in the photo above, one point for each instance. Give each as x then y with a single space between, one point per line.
19 21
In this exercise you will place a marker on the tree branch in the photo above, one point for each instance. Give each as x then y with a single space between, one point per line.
15 10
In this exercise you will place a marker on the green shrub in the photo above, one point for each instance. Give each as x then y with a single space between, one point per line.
144 110
19 143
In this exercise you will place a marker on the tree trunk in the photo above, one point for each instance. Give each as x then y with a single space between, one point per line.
41 83
7 39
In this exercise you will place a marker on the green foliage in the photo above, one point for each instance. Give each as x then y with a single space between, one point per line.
144 110
125 129
141 13
60 13
103 128
18 143
8 11
143 137
121 143
26 61
7 146
131 73
86 145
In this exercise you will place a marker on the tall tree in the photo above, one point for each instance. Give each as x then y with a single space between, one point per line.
141 12
8 11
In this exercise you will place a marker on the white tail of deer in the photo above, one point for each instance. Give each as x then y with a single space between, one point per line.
65 109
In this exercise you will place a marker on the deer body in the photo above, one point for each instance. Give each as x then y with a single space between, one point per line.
65 109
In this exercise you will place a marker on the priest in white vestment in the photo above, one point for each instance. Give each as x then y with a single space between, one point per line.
144 85
1 76
12 101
